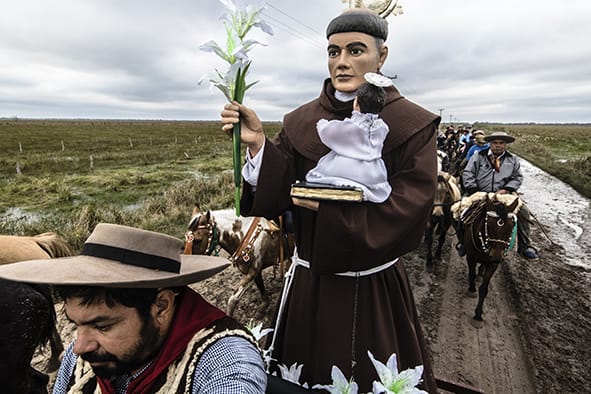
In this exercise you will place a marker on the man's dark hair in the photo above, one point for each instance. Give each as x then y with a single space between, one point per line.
371 98
140 299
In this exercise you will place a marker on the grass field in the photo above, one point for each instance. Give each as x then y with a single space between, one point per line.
561 150
67 176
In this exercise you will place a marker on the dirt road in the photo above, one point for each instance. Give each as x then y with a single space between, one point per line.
491 358
537 332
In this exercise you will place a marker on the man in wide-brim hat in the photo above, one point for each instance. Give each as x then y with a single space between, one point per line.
499 135
140 328
497 170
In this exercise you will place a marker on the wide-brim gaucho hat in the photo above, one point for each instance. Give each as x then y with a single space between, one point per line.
499 135
120 256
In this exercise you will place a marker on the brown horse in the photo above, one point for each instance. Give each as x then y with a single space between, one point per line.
29 314
490 220
446 195
263 245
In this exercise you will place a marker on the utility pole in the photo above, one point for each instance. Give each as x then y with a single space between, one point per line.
440 111
450 116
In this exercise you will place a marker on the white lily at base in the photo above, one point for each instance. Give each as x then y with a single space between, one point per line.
292 374
392 382
340 384
257 331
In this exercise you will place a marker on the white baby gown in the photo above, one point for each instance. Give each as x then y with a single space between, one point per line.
355 158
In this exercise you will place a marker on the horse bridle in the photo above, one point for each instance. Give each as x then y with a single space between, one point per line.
245 250
213 236
485 240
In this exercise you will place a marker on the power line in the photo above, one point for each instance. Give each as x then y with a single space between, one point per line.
294 19
292 31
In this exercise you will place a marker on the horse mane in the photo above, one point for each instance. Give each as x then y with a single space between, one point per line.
53 245
479 198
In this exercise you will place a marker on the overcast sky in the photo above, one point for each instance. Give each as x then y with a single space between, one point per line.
477 60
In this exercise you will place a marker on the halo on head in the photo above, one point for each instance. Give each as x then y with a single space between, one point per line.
381 7
378 80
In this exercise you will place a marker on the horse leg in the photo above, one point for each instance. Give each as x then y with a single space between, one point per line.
440 242
244 284
483 291
429 243
471 276
258 280
480 273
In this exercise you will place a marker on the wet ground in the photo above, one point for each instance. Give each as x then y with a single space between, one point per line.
537 332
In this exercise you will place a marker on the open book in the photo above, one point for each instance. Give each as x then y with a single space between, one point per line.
324 191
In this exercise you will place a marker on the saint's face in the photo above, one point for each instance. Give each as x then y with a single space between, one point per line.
114 340
350 56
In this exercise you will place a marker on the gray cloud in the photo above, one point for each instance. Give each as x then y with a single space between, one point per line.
487 61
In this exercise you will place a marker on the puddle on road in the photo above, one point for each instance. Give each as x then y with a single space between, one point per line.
564 213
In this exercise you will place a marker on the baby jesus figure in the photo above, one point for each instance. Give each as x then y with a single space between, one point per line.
356 144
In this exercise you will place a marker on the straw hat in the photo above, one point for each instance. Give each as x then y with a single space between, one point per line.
120 256
499 135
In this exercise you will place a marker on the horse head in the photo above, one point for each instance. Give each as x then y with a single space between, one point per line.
202 236
499 221
446 194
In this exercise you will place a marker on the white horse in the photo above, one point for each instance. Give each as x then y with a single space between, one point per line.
263 245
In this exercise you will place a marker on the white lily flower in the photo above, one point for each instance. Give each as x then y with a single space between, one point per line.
258 331
212 46
242 15
392 382
340 384
292 374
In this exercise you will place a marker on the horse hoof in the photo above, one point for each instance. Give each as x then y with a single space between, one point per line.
477 323
472 294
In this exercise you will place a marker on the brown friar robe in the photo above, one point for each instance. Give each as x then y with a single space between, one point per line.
334 320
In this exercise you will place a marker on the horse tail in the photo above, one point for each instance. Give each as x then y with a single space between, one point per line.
53 245
46 332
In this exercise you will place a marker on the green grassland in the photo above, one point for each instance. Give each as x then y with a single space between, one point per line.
561 150
67 176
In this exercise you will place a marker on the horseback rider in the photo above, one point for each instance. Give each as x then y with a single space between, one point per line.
497 170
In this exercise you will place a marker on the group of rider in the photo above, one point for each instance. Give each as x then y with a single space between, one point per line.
484 164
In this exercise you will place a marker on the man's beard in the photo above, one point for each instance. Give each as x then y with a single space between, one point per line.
136 357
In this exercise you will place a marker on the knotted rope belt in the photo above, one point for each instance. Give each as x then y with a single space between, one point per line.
289 275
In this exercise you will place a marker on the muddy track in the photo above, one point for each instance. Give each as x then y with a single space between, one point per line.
537 317
491 358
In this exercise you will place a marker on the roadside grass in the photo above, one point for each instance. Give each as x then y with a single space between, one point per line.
72 175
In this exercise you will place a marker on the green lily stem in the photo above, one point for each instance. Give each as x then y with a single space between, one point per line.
237 162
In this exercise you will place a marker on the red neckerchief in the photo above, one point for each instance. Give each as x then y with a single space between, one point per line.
193 314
